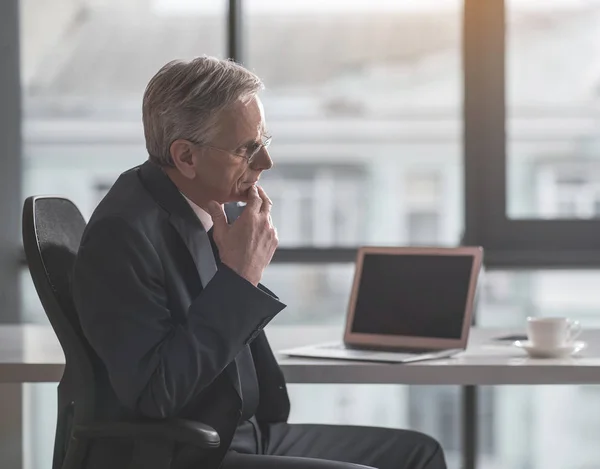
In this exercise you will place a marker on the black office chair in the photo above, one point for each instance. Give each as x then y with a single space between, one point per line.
52 230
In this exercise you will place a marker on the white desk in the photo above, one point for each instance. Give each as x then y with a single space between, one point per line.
30 354
486 362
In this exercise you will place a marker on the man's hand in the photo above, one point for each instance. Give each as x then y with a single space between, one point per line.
247 245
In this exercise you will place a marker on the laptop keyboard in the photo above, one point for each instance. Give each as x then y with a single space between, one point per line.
335 347
341 346
341 351
351 352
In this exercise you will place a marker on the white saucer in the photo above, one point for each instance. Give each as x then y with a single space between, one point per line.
559 352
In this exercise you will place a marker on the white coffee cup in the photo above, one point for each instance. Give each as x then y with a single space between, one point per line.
552 333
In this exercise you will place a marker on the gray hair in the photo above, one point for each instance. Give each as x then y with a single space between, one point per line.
185 98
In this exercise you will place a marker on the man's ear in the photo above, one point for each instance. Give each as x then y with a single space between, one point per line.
181 154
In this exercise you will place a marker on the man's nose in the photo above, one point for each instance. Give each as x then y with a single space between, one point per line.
262 161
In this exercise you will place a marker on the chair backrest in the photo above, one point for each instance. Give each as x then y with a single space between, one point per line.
52 231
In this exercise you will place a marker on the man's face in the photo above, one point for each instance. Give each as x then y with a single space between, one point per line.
222 175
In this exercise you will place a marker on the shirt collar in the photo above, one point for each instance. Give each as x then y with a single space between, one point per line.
202 215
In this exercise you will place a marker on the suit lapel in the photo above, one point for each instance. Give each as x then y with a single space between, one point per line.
182 218
189 228
198 244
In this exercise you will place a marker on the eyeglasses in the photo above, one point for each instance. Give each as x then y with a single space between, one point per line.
250 153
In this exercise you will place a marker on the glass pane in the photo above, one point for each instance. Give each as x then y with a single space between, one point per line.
315 294
85 65
364 102
540 427
553 80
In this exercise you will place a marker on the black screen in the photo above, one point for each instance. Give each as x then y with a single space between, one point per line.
413 295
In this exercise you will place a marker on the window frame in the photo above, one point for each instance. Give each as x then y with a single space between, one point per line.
10 153
509 243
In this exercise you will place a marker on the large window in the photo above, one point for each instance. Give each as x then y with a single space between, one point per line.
372 105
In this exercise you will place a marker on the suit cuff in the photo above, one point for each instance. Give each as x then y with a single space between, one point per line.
267 291
233 308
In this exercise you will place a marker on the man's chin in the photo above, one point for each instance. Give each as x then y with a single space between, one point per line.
242 195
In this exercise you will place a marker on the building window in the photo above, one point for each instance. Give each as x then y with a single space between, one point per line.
423 207
317 204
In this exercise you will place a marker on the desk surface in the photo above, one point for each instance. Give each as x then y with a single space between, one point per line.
32 354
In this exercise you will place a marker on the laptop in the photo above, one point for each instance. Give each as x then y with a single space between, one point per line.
407 304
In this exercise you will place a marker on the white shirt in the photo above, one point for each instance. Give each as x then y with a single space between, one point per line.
202 215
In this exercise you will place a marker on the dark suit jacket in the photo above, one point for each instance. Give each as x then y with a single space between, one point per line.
163 340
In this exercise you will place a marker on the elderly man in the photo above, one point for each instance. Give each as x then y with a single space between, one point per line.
167 289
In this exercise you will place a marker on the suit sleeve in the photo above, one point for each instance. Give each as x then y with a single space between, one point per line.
154 364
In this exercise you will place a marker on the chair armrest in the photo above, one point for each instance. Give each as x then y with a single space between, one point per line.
176 430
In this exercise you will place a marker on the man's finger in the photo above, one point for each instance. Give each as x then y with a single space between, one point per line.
217 213
266 202
254 201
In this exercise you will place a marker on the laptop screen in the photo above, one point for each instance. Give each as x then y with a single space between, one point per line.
413 295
